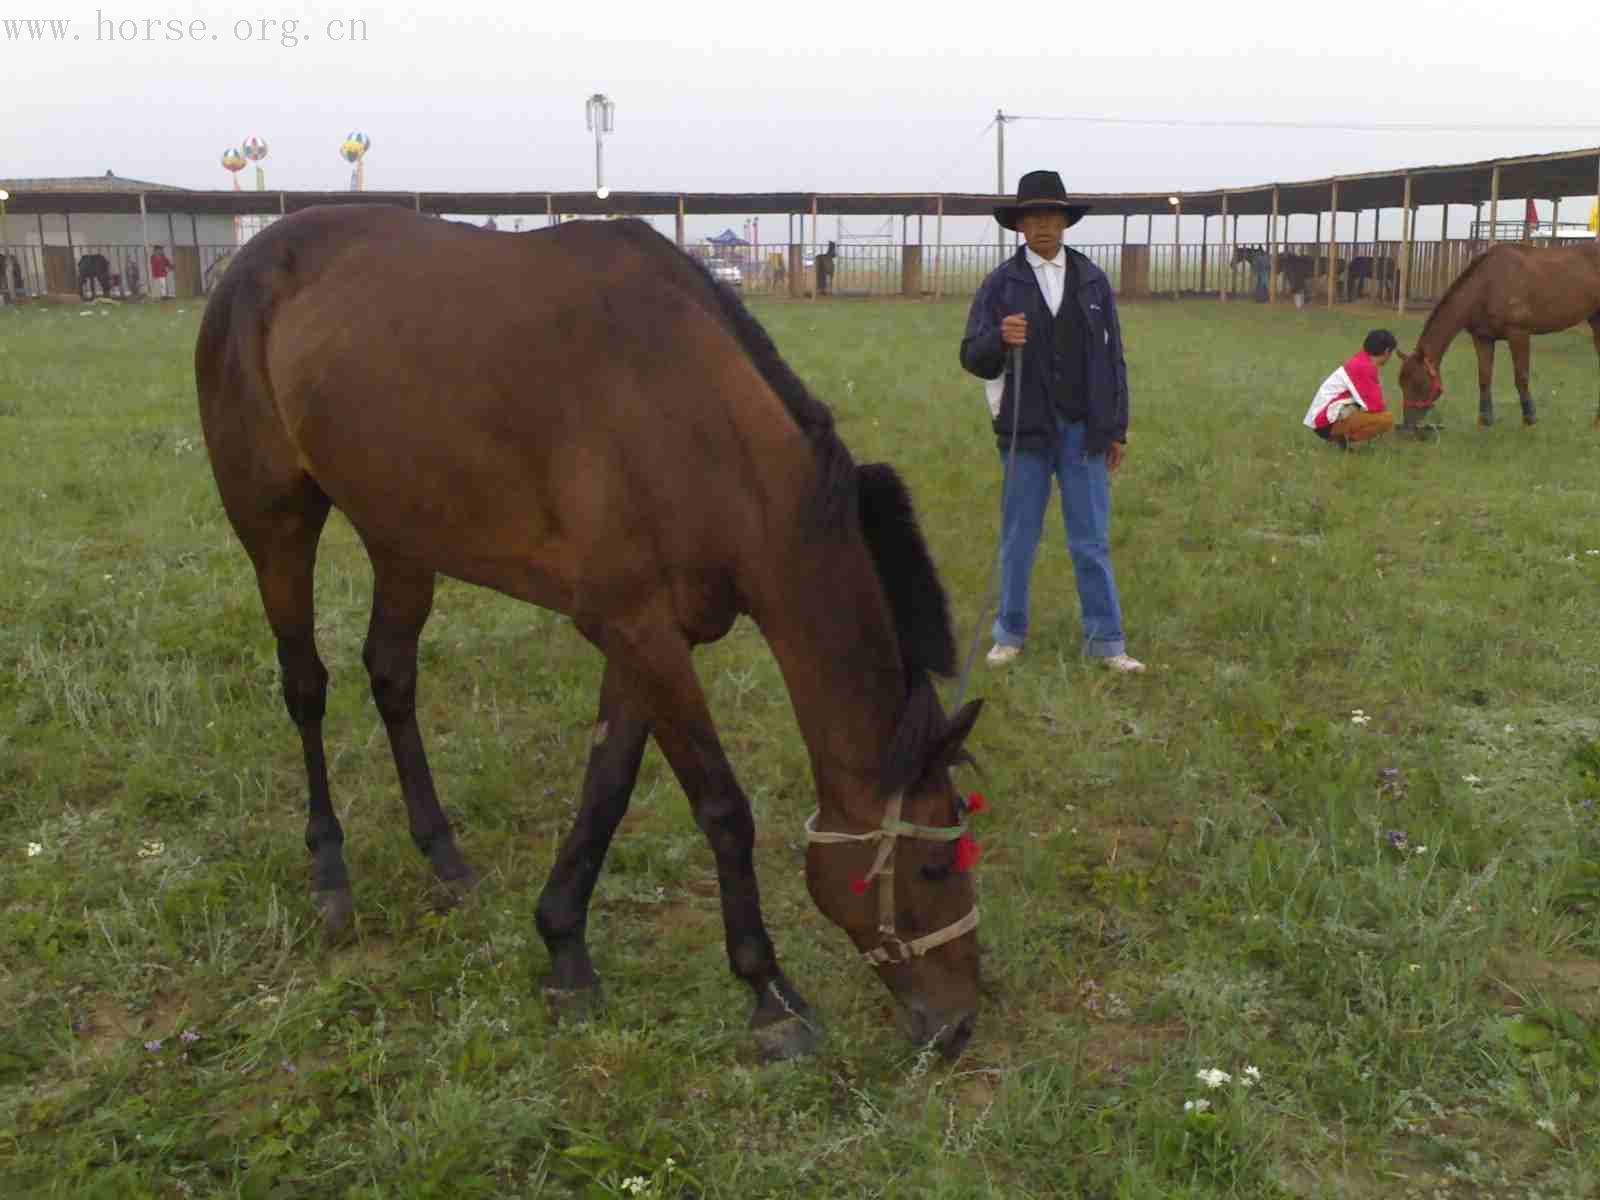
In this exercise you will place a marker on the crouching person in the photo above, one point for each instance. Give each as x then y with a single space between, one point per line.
1348 407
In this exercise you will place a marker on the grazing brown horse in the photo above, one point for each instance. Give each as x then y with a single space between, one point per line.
1509 293
580 418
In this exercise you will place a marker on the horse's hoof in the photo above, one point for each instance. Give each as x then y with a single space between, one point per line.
792 1037
1527 420
573 1006
337 907
1484 422
453 893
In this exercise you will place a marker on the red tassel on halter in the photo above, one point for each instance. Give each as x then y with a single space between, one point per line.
967 852
976 803
858 885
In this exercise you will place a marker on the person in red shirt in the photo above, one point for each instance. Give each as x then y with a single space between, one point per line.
1349 406
160 273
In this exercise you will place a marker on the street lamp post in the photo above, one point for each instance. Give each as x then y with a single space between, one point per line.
600 115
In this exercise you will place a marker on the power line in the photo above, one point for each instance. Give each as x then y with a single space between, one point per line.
1349 126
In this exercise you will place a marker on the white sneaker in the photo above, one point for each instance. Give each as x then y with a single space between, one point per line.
1121 662
1002 654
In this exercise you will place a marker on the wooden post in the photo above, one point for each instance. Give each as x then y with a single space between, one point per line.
1333 245
678 225
144 232
1441 273
1272 265
1406 222
1494 205
549 210
816 287
416 201
1177 249
72 256
938 266
1205 233
1227 249
1555 218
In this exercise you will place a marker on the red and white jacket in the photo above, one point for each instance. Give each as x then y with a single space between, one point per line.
1354 384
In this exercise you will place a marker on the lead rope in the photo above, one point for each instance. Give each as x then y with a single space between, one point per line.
993 595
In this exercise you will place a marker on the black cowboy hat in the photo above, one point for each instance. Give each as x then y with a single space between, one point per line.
1039 189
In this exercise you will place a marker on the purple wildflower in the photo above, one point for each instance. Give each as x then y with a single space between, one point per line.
288 1066
153 1045
189 1036
1398 839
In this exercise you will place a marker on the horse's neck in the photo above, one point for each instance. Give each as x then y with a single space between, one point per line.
1447 320
830 629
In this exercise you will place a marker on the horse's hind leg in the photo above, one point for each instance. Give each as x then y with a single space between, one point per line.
402 598
615 752
282 543
1520 354
1485 348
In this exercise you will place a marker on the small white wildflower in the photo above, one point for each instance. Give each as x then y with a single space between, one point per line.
1471 780
1546 1124
1415 967
35 849
1570 558
1357 717
670 1163
1420 850
152 849
1593 553
1198 1106
634 1184
1213 1077
1252 1076
1511 728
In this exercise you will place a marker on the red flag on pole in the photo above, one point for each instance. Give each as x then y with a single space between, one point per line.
1531 216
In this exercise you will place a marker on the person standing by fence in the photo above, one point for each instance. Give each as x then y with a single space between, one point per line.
1067 417
160 274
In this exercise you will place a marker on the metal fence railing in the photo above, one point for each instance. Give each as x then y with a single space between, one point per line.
1369 270
51 270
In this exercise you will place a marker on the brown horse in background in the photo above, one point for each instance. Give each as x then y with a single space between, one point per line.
580 418
1508 293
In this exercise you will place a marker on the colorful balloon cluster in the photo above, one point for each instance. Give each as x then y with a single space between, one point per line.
233 160
254 149
354 147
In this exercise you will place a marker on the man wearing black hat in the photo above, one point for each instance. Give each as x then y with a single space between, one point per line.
1068 419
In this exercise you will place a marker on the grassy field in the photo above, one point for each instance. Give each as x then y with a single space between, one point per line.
1343 833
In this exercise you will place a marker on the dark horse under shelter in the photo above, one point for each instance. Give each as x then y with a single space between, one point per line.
580 418
94 269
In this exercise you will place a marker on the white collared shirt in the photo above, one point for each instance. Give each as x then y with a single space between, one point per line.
1052 276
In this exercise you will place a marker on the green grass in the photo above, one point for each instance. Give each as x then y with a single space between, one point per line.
1187 870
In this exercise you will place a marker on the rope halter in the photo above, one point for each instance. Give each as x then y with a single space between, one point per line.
893 949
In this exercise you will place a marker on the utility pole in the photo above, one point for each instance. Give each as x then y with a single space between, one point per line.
1000 120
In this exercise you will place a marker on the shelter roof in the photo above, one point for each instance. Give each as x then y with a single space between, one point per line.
1541 176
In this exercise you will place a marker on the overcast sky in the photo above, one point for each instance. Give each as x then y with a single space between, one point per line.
819 95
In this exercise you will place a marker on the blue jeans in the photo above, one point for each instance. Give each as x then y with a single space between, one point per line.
1086 512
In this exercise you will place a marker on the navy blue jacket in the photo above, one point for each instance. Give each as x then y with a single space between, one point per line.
1012 288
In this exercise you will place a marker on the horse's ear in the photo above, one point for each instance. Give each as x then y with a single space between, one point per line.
948 752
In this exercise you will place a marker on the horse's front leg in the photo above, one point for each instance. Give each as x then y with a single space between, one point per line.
1594 327
1485 348
1521 353
617 748
657 662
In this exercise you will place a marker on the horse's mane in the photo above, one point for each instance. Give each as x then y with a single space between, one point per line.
835 467
905 568
1455 286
